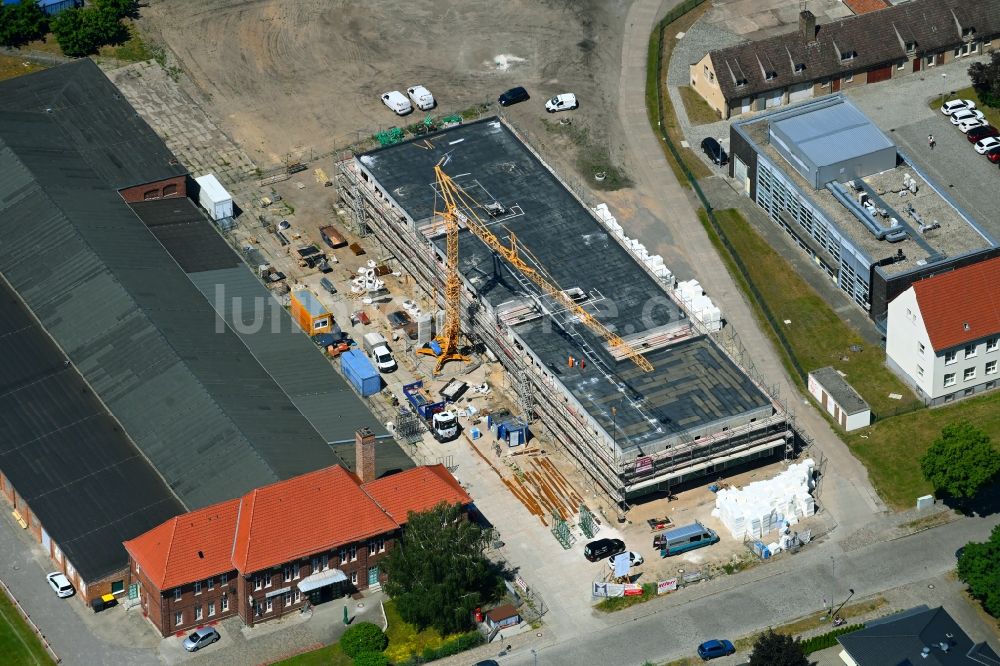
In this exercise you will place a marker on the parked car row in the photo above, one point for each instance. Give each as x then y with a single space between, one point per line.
416 96
985 138
419 97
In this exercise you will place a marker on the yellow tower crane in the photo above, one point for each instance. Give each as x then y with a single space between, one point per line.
447 341
461 207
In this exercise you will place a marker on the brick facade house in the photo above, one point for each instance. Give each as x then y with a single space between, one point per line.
314 537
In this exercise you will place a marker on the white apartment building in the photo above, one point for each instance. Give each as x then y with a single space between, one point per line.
943 333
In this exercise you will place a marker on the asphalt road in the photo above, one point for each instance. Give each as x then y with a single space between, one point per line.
670 628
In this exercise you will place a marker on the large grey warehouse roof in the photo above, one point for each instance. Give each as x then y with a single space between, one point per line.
829 135
694 385
93 118
66 456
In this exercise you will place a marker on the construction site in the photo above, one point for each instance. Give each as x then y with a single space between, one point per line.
600 350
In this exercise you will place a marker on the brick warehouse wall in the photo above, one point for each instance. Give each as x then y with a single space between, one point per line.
86 591
170 188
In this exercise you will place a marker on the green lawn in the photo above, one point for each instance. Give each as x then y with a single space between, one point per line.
18 643
891 449
331 655
697 109
818 337
992 114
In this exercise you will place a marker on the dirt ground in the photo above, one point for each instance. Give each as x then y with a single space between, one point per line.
301 77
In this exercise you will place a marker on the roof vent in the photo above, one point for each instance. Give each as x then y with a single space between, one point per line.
926 652
201 554
949 635
944 646
48 109
966 326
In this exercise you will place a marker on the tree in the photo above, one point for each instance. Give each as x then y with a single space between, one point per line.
772 649
22 22
437 572
979 568
961 461
363 637
81 32
986 79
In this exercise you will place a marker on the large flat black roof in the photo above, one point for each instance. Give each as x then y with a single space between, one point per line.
88 114
694 384
66 456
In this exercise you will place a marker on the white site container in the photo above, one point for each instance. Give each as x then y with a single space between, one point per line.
214 198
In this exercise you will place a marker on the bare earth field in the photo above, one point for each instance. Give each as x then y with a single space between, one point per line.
294 77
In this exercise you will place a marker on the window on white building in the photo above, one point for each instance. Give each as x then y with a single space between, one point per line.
950 357
921 348
969 374
970 351
920 371
991 367
991 344
949 379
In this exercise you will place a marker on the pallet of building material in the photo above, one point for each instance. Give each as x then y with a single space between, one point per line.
271 180
356 249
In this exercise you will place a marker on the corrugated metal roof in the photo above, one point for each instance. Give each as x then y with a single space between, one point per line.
832 134
207 416
65 455
95 119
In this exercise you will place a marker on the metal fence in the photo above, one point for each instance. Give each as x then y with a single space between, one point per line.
31 623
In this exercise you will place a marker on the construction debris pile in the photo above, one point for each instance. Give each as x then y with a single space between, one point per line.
762 506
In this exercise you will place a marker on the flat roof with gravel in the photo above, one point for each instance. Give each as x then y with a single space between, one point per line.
944 231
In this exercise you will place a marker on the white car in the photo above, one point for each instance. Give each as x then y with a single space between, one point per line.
397 102
634 560
966 114
383 359
421 97
563 102
953 105
984 146
60 584
966 125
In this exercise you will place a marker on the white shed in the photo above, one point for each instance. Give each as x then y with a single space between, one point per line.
839 399
214 198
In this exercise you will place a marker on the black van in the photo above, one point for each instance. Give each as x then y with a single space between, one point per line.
715 151
513 96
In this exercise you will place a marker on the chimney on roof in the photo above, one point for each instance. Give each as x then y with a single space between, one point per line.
201 555
807 25
364 454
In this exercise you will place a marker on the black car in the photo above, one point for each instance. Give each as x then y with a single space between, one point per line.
513 96
601 548
715 151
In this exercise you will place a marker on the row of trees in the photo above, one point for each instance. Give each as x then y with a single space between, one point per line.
80 31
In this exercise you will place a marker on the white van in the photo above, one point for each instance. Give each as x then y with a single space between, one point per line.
421 97
397 102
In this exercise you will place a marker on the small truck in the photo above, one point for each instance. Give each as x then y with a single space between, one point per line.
443 422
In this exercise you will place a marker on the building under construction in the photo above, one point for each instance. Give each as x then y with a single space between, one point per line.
652 402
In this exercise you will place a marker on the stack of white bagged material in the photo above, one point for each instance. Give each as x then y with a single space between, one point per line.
763 506
699 305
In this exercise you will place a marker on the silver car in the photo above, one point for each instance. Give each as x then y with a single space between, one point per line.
199 638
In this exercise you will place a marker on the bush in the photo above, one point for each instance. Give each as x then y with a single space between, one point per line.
371 659
21 23
829 639
363 637
455 646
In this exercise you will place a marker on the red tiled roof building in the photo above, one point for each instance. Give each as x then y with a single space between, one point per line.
312 538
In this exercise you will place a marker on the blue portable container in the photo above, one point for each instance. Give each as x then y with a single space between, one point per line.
360 372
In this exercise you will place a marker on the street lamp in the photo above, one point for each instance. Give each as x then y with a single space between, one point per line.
944 86
535 655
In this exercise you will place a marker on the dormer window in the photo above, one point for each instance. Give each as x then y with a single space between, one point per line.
740 83
847 56
770 75
968 32
911 47
800 67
